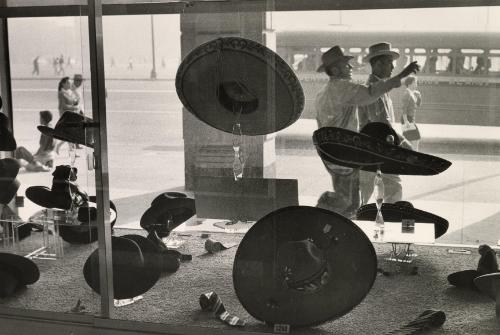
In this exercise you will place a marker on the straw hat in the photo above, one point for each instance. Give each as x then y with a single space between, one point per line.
332 56
381 49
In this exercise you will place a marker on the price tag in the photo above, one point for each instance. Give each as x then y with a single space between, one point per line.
281 328
408 226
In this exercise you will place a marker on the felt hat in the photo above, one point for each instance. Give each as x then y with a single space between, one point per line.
376 146
488 284
77 76
9 168
7 140
134 273
15 272
233 80
64 194
332 56
168 210
302 266
400 210
71 127
381 49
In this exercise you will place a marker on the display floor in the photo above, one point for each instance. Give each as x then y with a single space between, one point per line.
393 301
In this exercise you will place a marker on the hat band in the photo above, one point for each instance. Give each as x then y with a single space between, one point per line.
311 283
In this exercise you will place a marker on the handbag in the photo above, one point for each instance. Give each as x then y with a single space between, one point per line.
410 131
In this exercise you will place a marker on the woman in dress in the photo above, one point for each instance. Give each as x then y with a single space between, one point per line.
410 101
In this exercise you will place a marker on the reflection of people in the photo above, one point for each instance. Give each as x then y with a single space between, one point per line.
336 106
36 66
480 66
77 89
410 101
68 102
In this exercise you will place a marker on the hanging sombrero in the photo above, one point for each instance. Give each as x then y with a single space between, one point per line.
376 146
7 140
302 266
400 210
232 78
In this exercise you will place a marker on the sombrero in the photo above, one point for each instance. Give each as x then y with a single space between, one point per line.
7 140
167 211
9 168
488 284
232 79
400 210
72 127
302 266
370 150
133 272
64 193
15 272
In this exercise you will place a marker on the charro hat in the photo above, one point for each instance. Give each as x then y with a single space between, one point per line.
71 127
401 210
15 272
332 56
7 140
167 211
302 266
381 49
488 284
376 146
9 168
134 272
233 80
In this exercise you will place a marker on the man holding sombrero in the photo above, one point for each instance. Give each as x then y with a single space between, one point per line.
336 106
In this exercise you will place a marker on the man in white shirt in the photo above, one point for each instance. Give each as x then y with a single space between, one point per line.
77 89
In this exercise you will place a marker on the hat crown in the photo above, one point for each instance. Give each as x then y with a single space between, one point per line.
381 131
379 47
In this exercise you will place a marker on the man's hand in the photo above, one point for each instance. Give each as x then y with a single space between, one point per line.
413 67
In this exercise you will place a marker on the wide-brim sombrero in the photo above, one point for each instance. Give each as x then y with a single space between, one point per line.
71 127
233 71
358 150
24 269
350 258
132 275
401 210
7 140
45 197
489 284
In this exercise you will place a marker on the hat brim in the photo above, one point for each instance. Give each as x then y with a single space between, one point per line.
27 271
323 67
181 209
66 137
8 191
357 150
257 281
394 55
7 141
235 59
488 284
396 213
45 197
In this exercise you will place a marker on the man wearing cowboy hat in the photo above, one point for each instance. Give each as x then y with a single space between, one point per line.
336 106
381 57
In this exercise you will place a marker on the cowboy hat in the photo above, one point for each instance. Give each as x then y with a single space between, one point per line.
370 150
381 49
332 56
15 272
71 127
134 271
488 284
302 266
7 140
167 211
233 80
9 167
401 210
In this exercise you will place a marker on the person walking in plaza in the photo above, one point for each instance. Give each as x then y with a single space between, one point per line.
381 58
68 102
410 101
337 106
36 66
77 89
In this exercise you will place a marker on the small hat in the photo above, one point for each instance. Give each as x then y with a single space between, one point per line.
167 211
370 150
381 49
400 210
9 167
302 266
134 271
7 140
71 127
488 284
15 272
249 84
332 56
77 76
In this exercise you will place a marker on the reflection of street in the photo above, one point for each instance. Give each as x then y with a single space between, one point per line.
146 157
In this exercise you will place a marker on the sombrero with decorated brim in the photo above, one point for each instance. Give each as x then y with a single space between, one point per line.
370 150
72 127
7 140
232 79
401 210
133 273
302 266
15 272
489 284
168 210
9 168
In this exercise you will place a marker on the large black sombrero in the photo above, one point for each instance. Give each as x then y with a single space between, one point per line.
400 210
15 272
221 78
489 284
9 168
167 211
72 127
370 150
133 273
302 266
7 140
